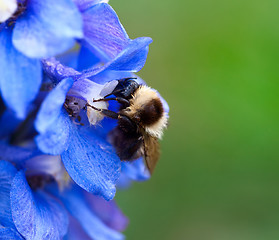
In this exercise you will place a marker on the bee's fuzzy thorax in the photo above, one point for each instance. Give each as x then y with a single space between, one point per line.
156 130
146 108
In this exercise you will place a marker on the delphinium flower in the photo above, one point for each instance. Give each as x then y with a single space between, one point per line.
40 201
88 157
57 167
33 206
76 96
40 29
31 30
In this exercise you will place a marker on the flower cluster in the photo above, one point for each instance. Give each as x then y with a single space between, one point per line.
58 172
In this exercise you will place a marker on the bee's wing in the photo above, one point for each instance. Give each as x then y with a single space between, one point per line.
151 151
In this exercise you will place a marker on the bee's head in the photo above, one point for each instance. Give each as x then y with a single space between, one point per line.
125 88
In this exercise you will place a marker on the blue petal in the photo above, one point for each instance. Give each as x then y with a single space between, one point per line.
107 76
7 173
16 154
20 76
76 231
92 163
85 4
51 106
57 71
107 211
47 28
46 165
93 226
70 58
131 59
86 59
103 32
136 170
132 171
9 234
55 139
36 215
124 182
8 123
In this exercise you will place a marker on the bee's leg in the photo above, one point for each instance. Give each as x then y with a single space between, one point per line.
106 112
112 93
126 122
118 99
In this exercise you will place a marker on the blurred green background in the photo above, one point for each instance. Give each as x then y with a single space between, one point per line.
216 63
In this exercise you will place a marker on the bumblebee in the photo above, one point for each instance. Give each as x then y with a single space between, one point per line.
141 121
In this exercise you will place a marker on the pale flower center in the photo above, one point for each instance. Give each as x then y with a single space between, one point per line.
7 9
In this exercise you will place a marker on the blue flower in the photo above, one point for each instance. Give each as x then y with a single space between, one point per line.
44 29
39 201
57 169
36 30
33 206
104 35
88 158
30 214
